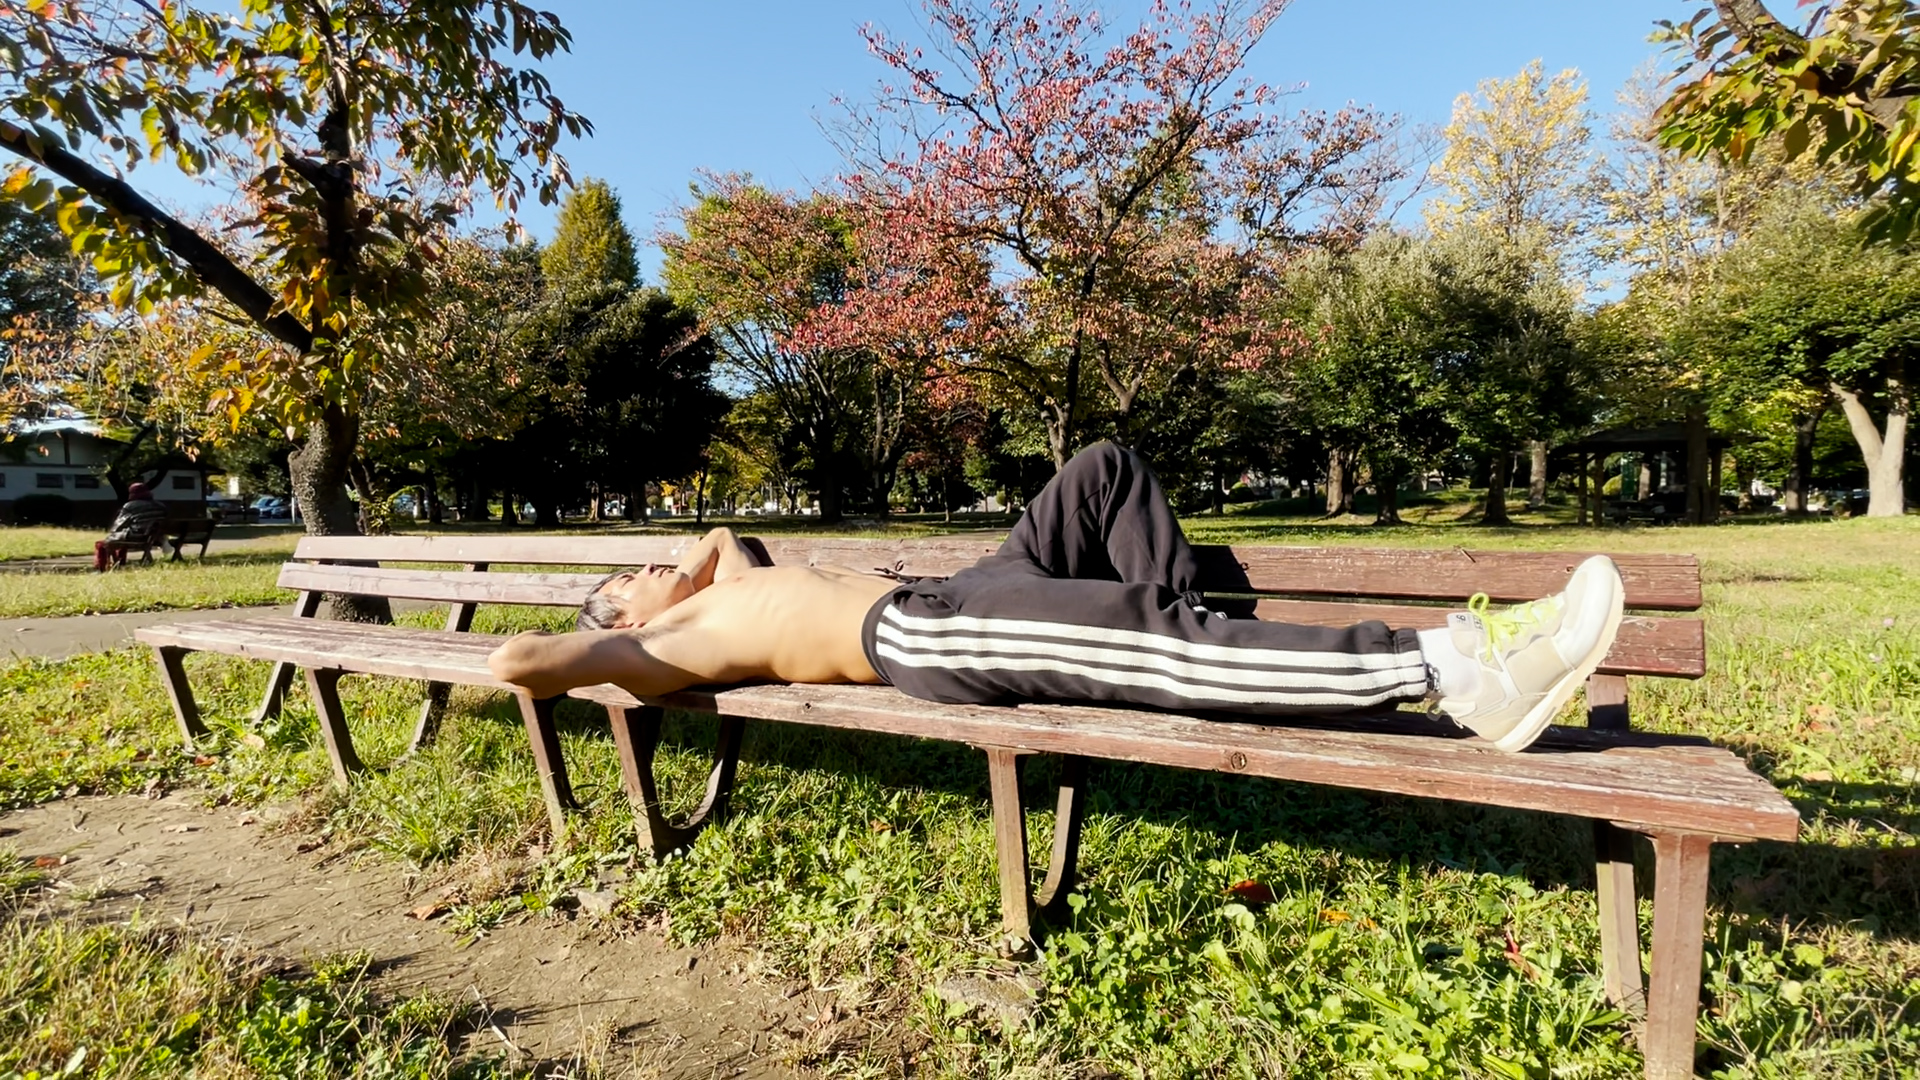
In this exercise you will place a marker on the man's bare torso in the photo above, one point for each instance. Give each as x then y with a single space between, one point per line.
788 623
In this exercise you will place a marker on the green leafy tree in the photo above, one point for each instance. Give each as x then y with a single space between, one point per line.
1806 312
1842 90
330 117
618 390
1516 165
1371 382
591 246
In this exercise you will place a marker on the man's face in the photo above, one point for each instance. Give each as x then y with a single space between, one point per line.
644 593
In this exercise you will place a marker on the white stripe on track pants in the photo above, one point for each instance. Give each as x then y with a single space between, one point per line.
1090 599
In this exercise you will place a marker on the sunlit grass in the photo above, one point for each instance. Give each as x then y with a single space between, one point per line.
1407 937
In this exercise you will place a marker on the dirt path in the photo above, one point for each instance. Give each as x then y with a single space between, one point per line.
551 988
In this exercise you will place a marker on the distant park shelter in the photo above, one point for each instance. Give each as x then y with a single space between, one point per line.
1660 451
68 457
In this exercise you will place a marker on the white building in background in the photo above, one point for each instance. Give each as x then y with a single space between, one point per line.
68 457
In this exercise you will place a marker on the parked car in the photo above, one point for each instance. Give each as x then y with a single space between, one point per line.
269 507
229 510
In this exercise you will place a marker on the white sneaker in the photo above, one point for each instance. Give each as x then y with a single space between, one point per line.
1534 656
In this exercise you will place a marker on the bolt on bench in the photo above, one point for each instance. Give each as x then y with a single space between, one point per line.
1682 792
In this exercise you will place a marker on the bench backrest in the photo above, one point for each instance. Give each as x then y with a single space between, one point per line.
1333 586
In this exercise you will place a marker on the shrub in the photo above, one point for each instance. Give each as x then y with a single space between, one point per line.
42 509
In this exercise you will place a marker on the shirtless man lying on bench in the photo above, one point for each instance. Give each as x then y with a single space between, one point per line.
1090 599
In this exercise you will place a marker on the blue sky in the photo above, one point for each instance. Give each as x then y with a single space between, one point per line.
674 86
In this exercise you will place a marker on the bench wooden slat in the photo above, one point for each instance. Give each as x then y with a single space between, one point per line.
441 586
1646 646
1653 781
1669 647
1654 581
435 656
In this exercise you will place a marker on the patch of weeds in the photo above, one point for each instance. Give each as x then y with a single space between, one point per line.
130 1000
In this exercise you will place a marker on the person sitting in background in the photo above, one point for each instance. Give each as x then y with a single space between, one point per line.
135 524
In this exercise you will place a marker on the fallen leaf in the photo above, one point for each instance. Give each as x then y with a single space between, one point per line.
203 760
880 826
1818 776
309 844
248 818
428 910
254 740
48 862
1251 892
181 828
1334 915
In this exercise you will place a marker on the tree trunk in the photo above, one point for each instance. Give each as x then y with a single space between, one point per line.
1537 474
546 513
1743 478
1703 504
700 496
1215 495
636 503
1885 452
1800 477
1498 472
509 512
1338 497
318 470
1386 486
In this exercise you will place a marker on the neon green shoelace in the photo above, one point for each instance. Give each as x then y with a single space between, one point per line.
1501 627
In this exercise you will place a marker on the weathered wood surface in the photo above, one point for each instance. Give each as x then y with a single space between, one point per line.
1653 781
1646 646
441 586
1654 581
433 655
1673 647
1645 780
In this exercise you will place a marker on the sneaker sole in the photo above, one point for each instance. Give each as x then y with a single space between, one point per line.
1538 718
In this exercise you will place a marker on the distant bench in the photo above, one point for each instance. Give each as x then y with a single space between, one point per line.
179 534
1683 792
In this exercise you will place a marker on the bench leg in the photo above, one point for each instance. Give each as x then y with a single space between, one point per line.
428 726
323 686
1679 927
282 675
537 713
173 675
459 621
278 681
1619 904
636 734
1019 907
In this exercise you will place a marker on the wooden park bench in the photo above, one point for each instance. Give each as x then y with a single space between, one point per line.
184 532
144 543
1682 792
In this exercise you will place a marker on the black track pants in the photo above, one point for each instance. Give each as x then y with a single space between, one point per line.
1090 599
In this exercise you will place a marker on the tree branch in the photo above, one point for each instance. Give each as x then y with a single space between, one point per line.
207 262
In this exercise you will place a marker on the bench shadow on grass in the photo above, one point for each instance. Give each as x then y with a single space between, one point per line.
1874 887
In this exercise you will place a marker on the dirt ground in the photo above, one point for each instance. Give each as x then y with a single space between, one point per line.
545 989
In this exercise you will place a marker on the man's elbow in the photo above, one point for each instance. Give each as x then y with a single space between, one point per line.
517 661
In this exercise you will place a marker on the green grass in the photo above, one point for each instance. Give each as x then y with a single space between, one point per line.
226 580
1408 938
45 541
134 1000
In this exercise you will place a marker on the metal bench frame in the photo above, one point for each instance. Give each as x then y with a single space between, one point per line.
1683 793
